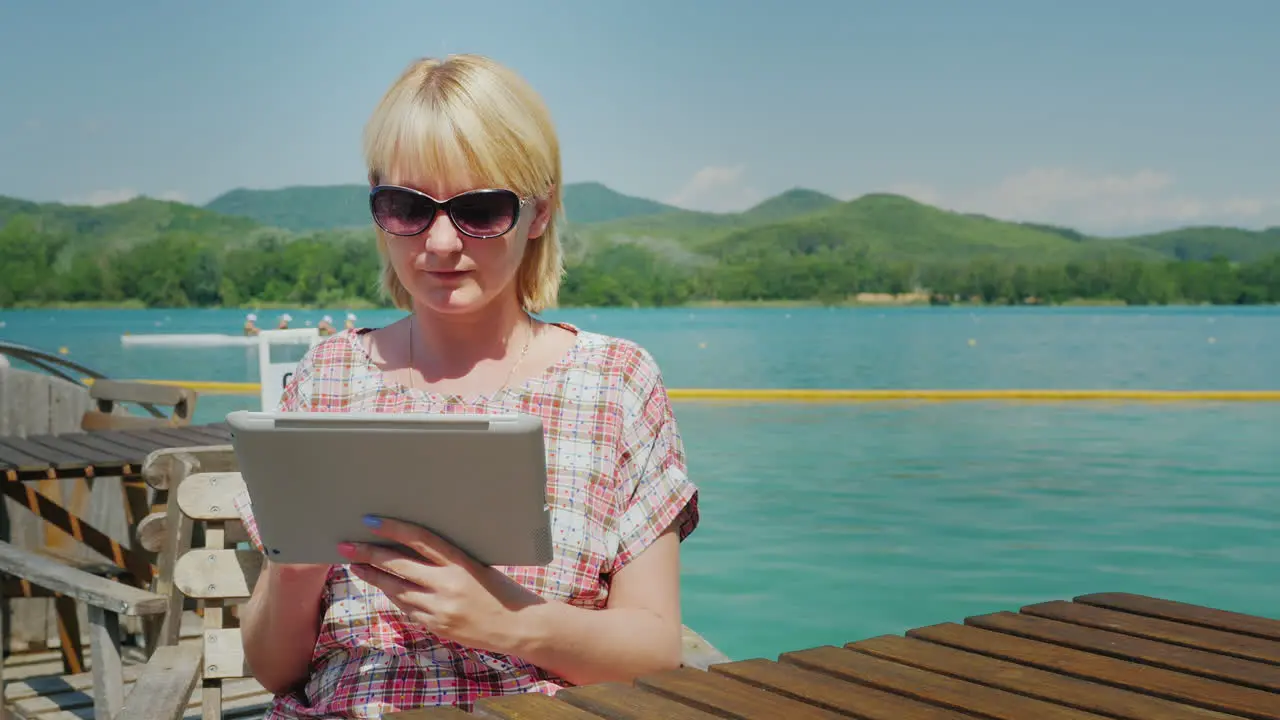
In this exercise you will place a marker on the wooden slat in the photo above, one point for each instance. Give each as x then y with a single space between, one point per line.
136 392
175 437
126 438
213 573
832 693
19 457
51 457
105 448
1150 652
197 435
624 702
1042 684
77 700
96 591
1218 641
210 495
163 691
524 706
719 695
929 687
1262 627
1191 689
70 450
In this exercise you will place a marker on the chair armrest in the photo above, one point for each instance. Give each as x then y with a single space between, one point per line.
697 652
83 586
163 688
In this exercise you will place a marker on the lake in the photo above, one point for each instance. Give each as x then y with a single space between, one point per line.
825 523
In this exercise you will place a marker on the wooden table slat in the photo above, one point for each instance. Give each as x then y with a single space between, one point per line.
1262 627
70 450
18 459
203 435
1030 681
143 444
1218 641
617 701
105 448
832 693
929 687
1127 647
1160 682
170 436
15 447
527 706
720 695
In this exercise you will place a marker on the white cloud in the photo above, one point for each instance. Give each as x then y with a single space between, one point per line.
106 197
717 188
98 198
1097 203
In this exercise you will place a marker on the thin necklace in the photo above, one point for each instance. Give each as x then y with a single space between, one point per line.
413 383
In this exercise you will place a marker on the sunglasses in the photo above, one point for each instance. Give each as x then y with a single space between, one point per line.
478 213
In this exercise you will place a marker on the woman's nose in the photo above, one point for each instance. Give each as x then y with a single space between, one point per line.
441 236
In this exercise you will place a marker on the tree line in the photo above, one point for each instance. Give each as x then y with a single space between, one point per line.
185 269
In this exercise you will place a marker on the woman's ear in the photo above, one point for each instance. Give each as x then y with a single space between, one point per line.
542 217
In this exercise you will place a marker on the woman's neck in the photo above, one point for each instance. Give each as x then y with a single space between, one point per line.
451 346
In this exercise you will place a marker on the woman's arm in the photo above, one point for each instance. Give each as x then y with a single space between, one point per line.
280 622
638 633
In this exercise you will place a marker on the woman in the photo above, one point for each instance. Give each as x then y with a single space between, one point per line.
464 169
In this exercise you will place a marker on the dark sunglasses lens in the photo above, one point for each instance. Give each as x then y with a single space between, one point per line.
486 214
402 213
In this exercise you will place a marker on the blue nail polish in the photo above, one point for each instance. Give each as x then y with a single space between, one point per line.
372 521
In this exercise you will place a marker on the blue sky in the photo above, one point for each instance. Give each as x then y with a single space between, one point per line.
1109 116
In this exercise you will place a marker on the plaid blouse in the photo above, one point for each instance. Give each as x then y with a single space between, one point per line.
615 480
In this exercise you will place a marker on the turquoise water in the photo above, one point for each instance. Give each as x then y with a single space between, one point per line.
830 523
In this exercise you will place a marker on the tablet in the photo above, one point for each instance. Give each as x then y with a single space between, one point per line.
478 481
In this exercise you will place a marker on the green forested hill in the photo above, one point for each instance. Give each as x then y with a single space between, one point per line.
340 206
313 245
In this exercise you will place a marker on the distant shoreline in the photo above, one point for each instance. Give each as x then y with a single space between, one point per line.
357 305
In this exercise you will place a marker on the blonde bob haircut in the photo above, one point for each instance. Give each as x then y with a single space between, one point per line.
468 116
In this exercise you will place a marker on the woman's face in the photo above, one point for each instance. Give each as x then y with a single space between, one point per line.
444 269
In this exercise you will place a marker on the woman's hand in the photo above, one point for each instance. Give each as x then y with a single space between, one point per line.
441 588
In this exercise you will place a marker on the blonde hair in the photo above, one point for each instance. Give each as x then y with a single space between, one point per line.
470 117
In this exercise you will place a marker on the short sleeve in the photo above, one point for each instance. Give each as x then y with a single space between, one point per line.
655 490
297 396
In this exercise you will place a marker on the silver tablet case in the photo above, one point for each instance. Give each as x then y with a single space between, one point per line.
479 481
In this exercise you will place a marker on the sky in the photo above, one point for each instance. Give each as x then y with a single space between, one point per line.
1112 117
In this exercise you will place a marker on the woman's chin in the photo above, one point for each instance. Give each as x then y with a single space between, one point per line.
451 300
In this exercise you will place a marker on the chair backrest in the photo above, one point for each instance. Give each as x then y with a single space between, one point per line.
109 398
218 576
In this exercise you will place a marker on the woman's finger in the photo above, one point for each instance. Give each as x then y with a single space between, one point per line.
389 559
422 541
408 596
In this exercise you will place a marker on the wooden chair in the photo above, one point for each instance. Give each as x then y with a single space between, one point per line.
107 601
39 690
110 396
203 532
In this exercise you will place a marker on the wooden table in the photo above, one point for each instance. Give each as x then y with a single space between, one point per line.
31 468
1108 655
114 453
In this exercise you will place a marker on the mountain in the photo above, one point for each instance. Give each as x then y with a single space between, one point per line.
299 208
799 221
101 229
312 245
323 207
793 202
1203 243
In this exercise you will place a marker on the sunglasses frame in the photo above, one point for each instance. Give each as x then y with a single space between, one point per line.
447 207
